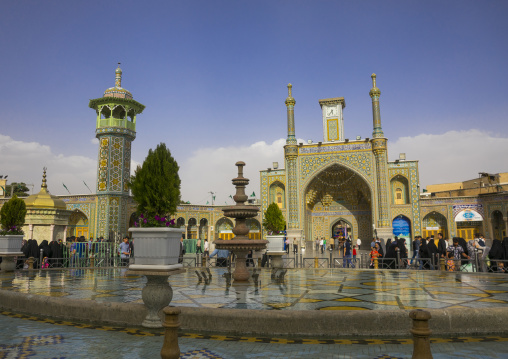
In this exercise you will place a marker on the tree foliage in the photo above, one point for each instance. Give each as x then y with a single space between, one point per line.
274 221
12 216
155 185
18 189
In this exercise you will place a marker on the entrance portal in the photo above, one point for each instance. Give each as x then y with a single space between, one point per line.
337 199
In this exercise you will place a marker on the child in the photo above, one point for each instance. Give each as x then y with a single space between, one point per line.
45 263
374 254
450 262
354 254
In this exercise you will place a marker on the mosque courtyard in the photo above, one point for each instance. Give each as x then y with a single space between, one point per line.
25 335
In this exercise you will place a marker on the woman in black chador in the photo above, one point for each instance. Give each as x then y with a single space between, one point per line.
56 256
425 254
496 252
391 255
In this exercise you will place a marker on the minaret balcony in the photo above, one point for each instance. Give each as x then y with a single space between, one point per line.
117 122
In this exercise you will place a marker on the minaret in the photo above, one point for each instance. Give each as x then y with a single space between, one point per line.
384 224
290 104
115 129
291 155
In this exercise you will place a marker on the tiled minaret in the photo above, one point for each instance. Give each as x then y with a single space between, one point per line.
291 155
383 223
116 129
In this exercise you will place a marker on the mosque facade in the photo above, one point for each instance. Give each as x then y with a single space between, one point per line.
335 186
341 185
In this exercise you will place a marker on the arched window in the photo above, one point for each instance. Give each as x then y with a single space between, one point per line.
400 190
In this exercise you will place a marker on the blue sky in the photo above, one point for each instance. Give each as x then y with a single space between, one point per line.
213 76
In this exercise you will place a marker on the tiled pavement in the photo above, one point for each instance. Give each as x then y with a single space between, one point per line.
22 338
303 289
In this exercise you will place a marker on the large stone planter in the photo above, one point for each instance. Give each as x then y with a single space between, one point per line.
156 248
11 244
275 244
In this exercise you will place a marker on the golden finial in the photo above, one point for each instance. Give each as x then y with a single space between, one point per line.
118 76
44 185
290 90
374 91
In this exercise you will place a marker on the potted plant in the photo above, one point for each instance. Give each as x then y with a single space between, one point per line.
12 219
155 187
274 224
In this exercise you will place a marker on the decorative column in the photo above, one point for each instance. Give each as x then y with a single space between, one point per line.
52 232
185 233
30 231
291 155
65 234
379 147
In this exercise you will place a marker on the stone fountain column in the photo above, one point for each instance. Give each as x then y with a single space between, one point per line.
241 244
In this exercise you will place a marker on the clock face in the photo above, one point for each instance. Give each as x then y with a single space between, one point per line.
331 111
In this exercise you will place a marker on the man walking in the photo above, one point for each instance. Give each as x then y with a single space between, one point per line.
358 243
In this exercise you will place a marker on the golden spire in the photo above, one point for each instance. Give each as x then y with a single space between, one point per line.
44 184
374 91
118 76
290 100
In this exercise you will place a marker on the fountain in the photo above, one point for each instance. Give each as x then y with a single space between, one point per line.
240 245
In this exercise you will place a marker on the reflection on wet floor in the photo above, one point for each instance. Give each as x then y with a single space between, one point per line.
302 289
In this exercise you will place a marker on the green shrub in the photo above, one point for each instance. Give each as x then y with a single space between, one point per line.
274 220
155 187
12 216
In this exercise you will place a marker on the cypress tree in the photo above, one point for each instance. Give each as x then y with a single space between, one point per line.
156 184
274 220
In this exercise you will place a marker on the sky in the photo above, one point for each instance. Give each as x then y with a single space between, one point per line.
213 77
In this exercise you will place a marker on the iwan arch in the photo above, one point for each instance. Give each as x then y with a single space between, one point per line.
342 184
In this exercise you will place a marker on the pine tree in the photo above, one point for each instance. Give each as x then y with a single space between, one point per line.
12 216
274 220
156 185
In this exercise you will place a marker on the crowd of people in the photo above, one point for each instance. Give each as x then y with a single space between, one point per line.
437 253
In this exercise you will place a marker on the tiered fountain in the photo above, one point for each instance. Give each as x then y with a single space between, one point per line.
240 245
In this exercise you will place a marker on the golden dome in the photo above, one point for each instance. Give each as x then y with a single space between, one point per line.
44 199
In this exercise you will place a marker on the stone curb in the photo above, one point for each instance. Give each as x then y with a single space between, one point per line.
266 323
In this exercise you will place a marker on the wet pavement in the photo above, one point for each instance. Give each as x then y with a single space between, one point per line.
302 289
42 339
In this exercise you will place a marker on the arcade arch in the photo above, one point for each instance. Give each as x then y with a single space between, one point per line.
224 228
498 225
192 228
337 193
78 224
254 228
434 223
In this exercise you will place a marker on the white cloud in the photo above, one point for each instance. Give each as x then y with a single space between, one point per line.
94 141
212 169
23 162
453 156
450 157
